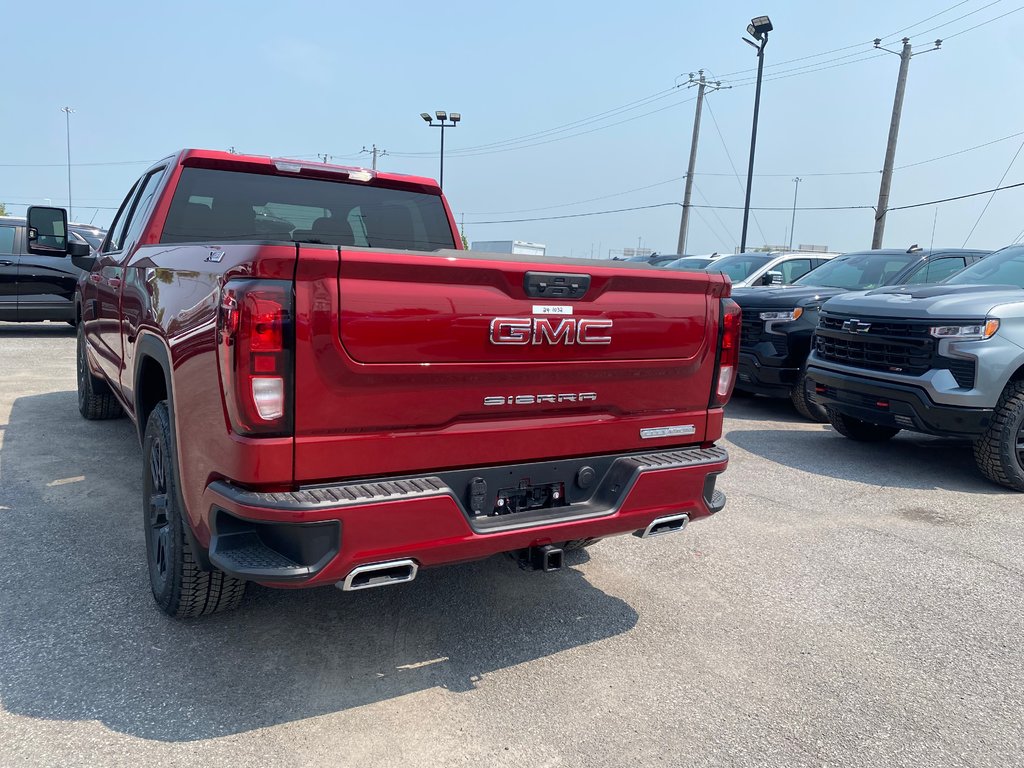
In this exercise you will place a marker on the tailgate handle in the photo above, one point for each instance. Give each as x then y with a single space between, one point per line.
556 285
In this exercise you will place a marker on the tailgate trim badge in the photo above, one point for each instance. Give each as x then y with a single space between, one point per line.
649 433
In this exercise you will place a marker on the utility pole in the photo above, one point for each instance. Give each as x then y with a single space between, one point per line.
324 158
375 153
67 124
894 130
684 219
792 221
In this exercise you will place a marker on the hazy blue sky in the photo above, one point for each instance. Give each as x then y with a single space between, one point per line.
303 78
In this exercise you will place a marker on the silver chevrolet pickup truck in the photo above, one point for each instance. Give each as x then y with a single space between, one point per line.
944 359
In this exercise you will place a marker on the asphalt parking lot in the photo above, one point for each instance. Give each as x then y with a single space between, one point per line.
852 605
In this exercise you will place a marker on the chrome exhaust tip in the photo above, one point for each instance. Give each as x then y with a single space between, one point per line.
379 575
663 525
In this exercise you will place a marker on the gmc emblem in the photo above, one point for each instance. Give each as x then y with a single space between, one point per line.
549 330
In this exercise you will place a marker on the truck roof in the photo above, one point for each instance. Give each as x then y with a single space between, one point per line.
218 158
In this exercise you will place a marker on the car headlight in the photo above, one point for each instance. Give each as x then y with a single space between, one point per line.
964 332
793 314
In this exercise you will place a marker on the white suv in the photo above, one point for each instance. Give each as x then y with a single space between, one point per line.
750 269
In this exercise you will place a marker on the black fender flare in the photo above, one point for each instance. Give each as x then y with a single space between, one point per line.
150 346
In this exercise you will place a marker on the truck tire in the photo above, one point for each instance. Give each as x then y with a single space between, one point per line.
806 407
95 400
861 431
180 587
999 453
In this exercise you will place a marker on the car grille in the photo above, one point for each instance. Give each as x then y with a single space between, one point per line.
906 348
752 331
752 328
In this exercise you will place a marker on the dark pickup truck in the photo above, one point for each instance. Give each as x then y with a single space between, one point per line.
328 390
778 322
35 287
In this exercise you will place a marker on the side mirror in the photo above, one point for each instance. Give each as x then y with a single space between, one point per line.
47 231
772 278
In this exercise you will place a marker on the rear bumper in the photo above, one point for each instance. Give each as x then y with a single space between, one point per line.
318 535
893 405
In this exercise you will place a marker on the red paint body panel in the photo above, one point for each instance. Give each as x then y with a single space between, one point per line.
393 361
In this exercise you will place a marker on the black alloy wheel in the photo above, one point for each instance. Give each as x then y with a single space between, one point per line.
158 526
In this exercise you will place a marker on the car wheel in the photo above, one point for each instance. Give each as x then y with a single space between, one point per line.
806 407
180 586
999 453
861 431
95 400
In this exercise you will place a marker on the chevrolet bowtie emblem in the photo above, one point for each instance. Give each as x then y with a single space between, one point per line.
856 326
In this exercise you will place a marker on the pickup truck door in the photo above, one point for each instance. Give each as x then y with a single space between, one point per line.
101 294
9 238
46 287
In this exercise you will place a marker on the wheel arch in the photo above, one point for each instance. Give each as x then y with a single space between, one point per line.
153 384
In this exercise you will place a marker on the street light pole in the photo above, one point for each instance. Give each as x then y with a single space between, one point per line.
792 221
453 121
67 124
758 28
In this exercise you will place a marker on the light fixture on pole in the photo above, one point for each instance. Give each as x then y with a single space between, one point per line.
444 120
67 124
758 28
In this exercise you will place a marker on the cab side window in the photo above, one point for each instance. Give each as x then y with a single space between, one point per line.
940 269
140 213
117 230
936 270
7 240
793 269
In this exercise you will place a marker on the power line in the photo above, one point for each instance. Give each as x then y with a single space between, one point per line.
970 29
924 21
958 18
580 215
459 153
725 146
733 173
957 197
74 165
578 202
559 128
989 201
959 152
846 47
761 208
727 237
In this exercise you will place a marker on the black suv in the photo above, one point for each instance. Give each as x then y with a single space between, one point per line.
34 288
778 322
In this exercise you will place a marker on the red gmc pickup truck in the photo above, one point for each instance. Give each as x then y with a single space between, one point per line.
329 390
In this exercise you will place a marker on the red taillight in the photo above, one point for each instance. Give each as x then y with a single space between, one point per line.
728 354
254 340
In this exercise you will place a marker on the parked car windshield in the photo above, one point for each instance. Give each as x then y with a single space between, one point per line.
859 271
231 205
692 262
741 266
92 238
1005 267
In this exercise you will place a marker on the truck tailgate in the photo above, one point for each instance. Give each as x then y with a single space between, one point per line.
411 361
